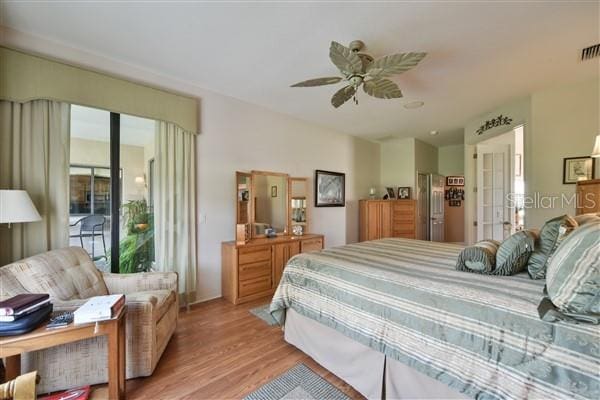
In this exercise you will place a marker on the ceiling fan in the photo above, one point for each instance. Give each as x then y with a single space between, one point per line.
359 69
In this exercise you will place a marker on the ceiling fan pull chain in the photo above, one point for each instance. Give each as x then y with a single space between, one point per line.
355 100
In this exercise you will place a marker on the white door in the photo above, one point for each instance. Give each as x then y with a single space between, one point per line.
493 187
436 209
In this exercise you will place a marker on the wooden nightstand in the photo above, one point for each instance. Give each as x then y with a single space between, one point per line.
11 347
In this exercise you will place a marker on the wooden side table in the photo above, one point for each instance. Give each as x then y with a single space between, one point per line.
11 347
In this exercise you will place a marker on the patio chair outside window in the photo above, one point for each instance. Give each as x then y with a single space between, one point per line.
90 227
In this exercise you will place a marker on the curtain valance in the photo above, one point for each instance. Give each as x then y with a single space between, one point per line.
24 77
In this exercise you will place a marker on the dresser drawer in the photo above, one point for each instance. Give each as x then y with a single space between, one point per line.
254 270
254 286
405 235
407 217
254 254
311 245
404 226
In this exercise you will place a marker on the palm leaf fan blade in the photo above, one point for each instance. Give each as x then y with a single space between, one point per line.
394 64
345 59
382 89
318 82
342 96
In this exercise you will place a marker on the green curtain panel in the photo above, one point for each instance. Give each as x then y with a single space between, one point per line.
174 206
24 77
34 156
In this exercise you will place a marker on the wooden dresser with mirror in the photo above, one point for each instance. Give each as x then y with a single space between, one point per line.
268 203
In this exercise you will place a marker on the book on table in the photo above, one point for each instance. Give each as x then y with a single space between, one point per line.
22 305
99 308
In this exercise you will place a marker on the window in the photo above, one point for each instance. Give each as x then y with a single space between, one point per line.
89 190
111 176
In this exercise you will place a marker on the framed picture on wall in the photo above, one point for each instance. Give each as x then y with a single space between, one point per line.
578 169
455 181
330 189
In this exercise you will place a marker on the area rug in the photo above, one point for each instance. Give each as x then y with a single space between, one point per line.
263 313
298 383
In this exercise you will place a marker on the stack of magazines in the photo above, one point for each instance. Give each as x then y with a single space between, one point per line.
23 313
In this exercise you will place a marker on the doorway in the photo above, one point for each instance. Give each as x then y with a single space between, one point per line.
500 185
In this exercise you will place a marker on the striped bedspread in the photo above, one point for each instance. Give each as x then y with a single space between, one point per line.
479 334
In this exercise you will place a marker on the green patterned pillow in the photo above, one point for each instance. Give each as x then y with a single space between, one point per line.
550 234
479 258
573 278
514 252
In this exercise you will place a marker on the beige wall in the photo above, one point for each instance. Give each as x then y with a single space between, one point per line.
426 158
565 121
559 122
401 159
451 160
97 153
397 164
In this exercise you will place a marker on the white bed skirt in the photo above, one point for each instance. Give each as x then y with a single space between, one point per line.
360 366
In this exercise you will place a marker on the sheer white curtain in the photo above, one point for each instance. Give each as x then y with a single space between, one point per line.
175 205
34 156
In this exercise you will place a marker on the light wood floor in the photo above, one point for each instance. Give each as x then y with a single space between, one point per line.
221 351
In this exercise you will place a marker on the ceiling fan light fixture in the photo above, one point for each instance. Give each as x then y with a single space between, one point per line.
414 104
359 69
433 133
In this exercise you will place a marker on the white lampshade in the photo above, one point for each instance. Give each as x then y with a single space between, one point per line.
16 206
596 151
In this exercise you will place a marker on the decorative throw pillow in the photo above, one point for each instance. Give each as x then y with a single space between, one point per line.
573 277
479 258
546 245
514 252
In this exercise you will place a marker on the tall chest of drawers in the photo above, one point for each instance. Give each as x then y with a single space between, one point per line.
380 219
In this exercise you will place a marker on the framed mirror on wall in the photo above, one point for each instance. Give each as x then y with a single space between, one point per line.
299 206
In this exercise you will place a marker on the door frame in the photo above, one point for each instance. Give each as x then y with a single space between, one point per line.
422 234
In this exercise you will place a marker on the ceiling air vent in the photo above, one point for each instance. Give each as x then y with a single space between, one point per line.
590 52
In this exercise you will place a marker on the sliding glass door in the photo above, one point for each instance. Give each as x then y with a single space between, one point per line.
110 210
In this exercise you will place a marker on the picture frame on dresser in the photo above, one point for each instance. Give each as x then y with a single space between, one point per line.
404 193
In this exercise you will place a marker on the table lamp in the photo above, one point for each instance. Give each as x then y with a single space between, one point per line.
17 207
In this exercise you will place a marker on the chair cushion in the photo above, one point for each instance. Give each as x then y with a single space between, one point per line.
573 278
65 274
161 300
551 233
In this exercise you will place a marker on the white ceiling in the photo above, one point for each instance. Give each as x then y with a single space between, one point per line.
94 124
481 54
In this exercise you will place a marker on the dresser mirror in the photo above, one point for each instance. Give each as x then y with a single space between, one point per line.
298 205
243 186
270 191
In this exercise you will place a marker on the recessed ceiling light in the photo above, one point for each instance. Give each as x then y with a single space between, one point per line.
414 104
433 133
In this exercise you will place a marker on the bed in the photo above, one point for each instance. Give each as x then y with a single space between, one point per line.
394 319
